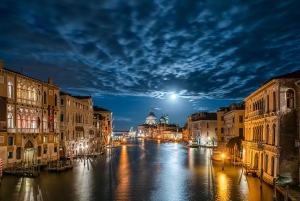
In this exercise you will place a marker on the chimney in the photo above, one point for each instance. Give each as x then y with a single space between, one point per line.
1 64
50 81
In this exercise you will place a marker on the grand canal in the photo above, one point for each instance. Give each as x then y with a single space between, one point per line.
141 169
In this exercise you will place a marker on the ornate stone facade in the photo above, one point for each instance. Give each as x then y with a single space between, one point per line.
202 126
76 123
271 128
29 119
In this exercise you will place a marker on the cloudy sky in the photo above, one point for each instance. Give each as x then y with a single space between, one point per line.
132 55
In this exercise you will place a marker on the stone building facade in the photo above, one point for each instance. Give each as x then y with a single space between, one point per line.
29 119
202 126
234 121
220 128
76 125
102 126
271 128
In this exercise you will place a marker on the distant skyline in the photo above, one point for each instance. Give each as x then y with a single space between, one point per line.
131 56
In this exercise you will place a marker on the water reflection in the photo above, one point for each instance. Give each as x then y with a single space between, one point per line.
142 170
223 187
123 173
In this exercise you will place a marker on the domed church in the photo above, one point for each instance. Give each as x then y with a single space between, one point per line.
151 118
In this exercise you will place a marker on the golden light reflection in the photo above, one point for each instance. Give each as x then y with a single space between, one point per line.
158 141
191 156
123 175
223 187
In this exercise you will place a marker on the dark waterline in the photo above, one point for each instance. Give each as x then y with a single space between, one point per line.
142 170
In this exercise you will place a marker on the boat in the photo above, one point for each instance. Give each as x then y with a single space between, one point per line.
194 144
217 156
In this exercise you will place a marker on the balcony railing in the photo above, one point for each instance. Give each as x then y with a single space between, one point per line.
11 130
45 130
255 113
28 130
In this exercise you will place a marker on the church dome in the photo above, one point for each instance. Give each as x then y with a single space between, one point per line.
162 120
151 118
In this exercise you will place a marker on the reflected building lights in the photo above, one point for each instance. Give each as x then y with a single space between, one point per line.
223 185
122 191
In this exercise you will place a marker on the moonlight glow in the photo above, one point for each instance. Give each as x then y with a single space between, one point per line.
173 96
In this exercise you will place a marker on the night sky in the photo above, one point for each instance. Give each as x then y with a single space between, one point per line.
132 55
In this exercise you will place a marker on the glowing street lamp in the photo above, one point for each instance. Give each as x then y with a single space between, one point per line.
223 161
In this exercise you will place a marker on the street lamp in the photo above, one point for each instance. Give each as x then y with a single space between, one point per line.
223 161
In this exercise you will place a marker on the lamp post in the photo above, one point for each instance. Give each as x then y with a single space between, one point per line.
223 161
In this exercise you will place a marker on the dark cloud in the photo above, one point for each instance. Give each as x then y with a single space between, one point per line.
212 49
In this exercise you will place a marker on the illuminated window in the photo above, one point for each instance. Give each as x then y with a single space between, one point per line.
45 139
10 90
10 120
9 154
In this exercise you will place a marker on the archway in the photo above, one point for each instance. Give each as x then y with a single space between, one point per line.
29 152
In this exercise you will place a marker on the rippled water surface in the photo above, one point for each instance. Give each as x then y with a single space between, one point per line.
141 170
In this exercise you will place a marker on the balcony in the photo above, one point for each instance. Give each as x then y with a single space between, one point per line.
256 145
46 130
11 130
256 113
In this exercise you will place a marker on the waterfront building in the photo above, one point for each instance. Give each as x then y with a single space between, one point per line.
202 126
104 126
185 133
76 124
132 133
271 128
100 125
29 119
234 129
161 130
220 128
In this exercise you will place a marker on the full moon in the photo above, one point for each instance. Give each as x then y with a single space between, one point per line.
173 96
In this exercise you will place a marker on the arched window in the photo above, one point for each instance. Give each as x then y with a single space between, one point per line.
10 120
23 120
29 93
290 98
10 90
272 166
34 95
19 91
19 121
33 122
266 163
24 92
28 121
45 97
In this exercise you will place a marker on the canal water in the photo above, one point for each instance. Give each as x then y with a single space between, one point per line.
141 169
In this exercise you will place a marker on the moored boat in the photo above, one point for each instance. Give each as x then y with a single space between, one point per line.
194 143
